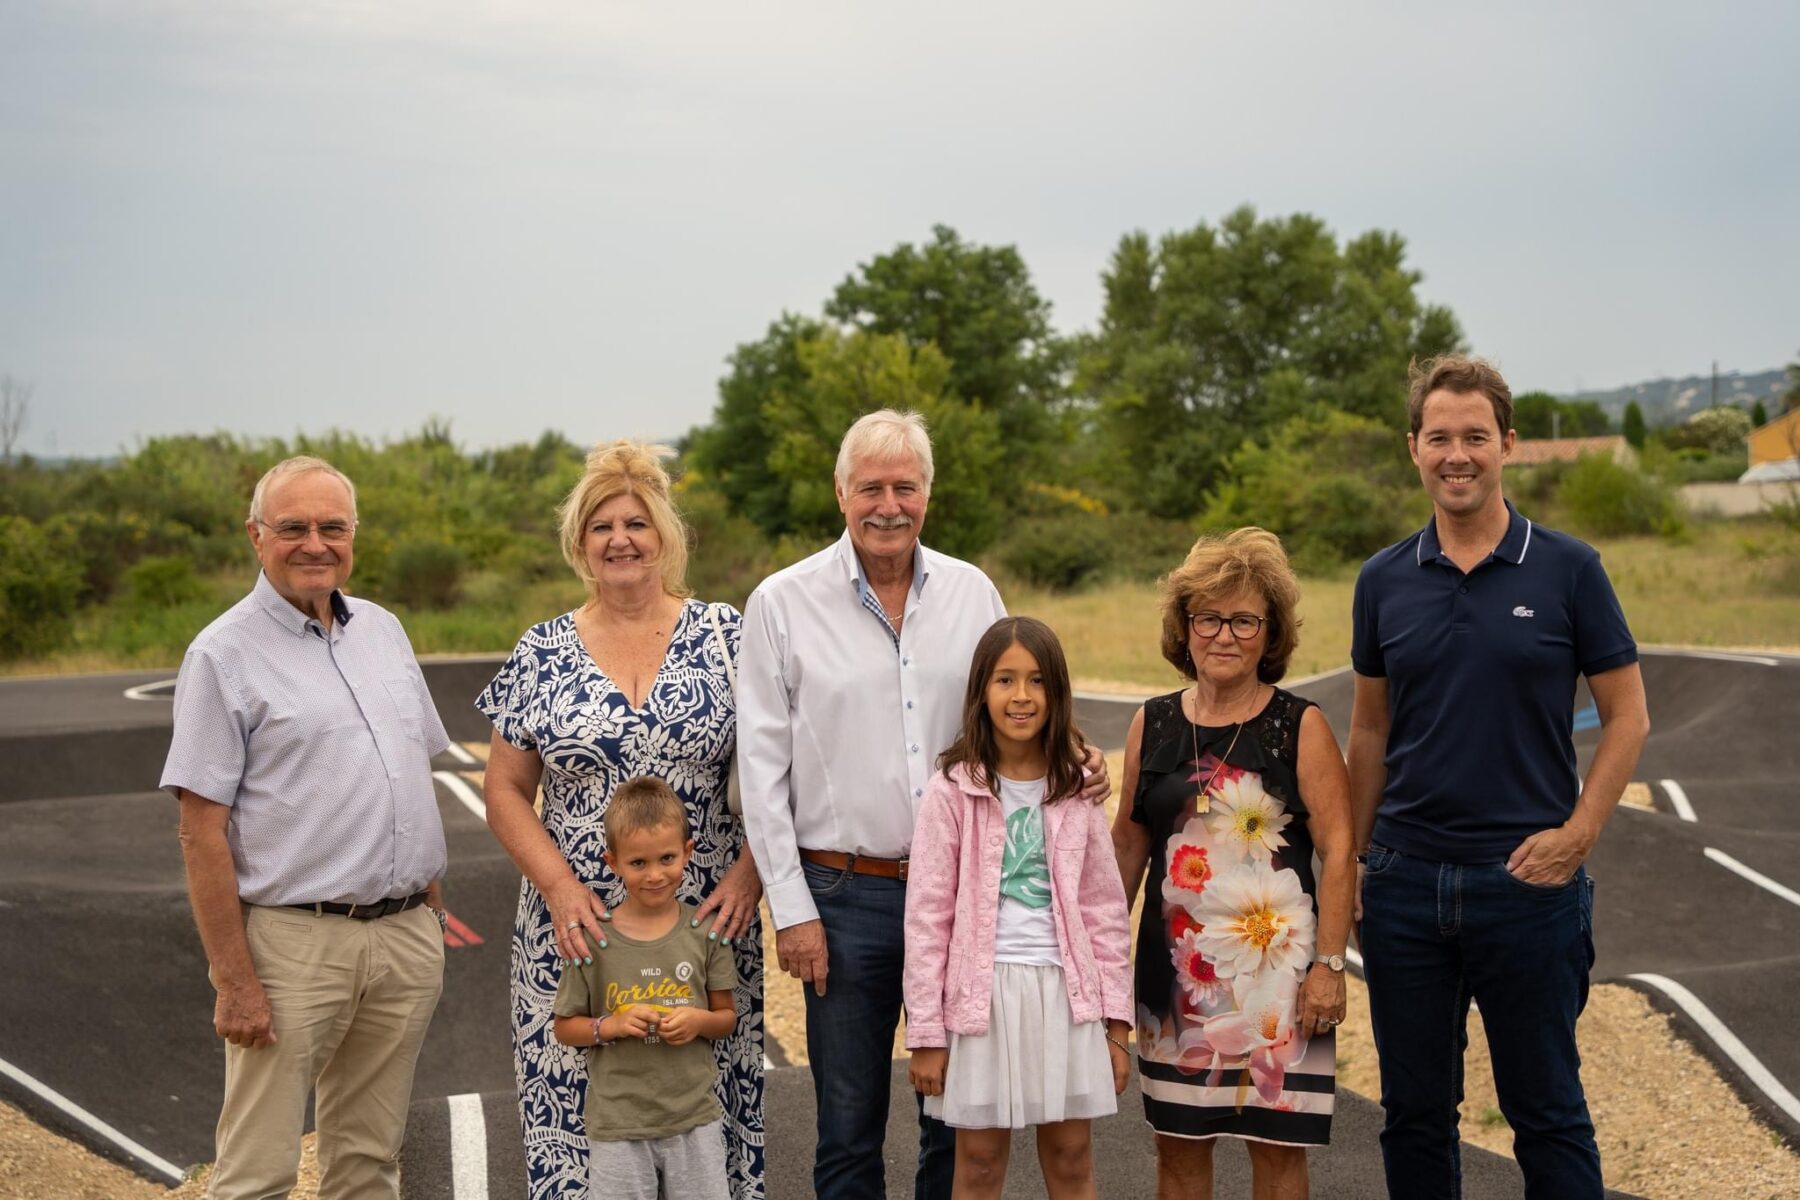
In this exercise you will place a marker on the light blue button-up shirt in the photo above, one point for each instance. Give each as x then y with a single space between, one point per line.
320 742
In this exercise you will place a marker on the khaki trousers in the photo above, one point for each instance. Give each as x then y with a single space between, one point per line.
351 1002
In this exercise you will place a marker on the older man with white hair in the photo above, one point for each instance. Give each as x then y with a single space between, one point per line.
850 684
309 825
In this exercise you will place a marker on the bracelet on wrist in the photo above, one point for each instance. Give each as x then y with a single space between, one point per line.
1119 1042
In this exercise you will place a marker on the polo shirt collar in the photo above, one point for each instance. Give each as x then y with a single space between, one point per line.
852 565
1514 543
289 617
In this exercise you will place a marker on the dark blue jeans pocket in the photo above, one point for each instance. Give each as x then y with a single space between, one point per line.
1377 859
824 881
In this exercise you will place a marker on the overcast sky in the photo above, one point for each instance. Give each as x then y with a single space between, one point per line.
271 217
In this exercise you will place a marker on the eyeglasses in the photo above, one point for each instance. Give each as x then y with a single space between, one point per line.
334 533
1243 625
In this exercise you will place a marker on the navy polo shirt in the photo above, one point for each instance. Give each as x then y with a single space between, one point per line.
1481 671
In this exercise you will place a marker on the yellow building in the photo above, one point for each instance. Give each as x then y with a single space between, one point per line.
1778 440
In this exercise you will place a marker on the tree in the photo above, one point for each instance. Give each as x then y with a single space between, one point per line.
1541 415
15 402
1759 416
1334 486
733 452
1633 425
1790 399
835 376
1213 335
978 306
1721 430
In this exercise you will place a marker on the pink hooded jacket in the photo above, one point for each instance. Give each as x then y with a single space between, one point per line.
953 902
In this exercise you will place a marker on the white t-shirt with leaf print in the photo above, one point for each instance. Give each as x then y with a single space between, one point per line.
1026 929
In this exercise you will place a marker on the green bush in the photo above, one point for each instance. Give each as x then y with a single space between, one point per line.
423 575
1332 486
1604 499
39 589
160 581
1057 552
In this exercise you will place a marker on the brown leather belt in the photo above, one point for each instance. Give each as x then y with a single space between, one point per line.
858 864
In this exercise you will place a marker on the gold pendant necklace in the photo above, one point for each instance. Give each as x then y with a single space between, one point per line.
1203 801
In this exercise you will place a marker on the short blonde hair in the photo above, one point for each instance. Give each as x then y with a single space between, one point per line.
619 468
300 464
1248 559
643 802
883 436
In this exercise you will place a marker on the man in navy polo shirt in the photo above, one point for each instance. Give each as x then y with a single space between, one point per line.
1471 818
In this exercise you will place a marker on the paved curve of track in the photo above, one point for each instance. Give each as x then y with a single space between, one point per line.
105 1000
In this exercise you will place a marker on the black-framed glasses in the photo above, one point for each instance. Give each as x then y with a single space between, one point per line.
1243 625
334 533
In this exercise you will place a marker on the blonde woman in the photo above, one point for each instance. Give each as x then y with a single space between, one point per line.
637 681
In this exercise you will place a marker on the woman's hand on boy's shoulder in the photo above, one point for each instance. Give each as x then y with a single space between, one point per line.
927 1069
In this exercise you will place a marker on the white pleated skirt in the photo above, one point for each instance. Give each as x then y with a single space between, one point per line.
1033 1066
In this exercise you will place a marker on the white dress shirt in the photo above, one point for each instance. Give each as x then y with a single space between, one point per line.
840 722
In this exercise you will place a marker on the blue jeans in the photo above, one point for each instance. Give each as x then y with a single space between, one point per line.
850 1039
1436 935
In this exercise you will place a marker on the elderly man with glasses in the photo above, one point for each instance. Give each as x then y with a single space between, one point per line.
309 825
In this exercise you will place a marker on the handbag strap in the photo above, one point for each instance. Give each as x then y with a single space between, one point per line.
712 617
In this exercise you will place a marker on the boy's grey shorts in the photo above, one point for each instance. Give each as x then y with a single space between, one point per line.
690 1166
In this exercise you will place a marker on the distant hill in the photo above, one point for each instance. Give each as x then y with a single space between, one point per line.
1670 401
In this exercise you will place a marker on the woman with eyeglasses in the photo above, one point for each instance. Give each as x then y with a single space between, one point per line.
1231 786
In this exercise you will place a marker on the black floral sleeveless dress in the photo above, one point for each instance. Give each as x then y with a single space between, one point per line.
1227 931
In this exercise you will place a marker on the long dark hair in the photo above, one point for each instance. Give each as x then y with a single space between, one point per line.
975 747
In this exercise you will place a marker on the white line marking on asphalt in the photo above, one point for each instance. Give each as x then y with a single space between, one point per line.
1757 877
151 691
455 750
1132 698
1721 655
460 788
56 1100
1679 799
1727 1041
468 1148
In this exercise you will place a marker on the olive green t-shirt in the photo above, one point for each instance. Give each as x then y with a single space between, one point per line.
639 1090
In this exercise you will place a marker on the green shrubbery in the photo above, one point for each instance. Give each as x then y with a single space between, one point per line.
424 574
1604 499
39 589
1334 487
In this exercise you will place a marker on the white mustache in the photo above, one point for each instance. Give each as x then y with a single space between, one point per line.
900 522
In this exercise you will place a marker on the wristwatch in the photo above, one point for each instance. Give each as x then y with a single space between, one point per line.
1334 962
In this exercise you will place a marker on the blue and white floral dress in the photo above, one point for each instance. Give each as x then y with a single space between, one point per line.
552 698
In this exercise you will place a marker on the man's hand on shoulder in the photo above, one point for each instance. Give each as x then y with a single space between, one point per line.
801 952
1550 857
1098 784
241 1015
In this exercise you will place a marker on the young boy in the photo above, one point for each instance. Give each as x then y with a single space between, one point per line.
645 1007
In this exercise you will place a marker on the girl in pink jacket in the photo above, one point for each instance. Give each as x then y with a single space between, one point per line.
1018 977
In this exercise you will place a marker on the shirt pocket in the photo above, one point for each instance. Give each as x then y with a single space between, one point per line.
404 693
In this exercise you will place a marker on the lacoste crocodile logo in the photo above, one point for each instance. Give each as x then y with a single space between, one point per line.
1522 611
